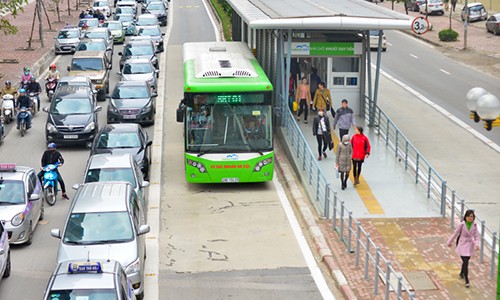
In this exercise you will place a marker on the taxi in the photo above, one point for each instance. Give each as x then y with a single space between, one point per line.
89 280
21 202
4 252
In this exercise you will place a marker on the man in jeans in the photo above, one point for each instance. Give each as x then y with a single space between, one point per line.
345 118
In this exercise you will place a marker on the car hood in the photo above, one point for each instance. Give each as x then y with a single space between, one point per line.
67 120
125 253
7 212
126 23
137 77
130 103
94 75
138 156
116 32
68 41
157 12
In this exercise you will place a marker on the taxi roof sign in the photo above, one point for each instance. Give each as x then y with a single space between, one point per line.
84 267
7 167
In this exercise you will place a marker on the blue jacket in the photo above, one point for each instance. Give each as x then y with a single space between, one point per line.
344 117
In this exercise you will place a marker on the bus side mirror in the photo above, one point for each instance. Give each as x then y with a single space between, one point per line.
180 111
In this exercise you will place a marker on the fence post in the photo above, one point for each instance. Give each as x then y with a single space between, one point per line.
481 250
388 131
429 178
378 122
493 255
367 255
443 198
341 230
326 207
334 212
452 219
400 283
375 279
349 227
406 155
387 279
462 207
304 155
317 185
310 171
396 146
416 168
358 241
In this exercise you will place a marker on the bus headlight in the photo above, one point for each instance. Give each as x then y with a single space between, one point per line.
262 163
198 165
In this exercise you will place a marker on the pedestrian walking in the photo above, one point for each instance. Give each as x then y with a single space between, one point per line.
321 129
344 118
360 151
314 81
303 97
322 98
343 160
467 239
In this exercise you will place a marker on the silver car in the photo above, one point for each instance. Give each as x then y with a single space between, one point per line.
140 69
5 265
100 33
105 221
83 279
21 202
97 45
152 32
147 20
103 6
116 167
67 39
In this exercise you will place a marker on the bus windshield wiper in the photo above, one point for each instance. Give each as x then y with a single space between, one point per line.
208 151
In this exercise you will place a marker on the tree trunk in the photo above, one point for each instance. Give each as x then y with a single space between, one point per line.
40 22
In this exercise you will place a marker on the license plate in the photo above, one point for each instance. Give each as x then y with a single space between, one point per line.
70 137
129 116
230 180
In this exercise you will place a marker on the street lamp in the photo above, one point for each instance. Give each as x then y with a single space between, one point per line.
488 108
471 101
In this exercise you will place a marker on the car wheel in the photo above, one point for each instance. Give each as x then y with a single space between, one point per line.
6 273
495 31
30 235
140 296
42 211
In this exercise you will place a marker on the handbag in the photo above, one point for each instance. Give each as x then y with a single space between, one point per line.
328 106
295 105
327 138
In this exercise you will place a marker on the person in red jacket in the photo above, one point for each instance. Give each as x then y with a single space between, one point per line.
360 151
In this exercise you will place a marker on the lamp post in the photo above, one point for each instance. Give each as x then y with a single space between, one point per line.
471 101
488 108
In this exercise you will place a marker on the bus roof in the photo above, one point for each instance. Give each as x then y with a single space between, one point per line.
222 67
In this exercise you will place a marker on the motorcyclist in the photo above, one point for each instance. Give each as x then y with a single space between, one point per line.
25 78
8 89
98 15
34 87
53 73
52 156
24 101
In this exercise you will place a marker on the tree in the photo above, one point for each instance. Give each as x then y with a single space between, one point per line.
14 7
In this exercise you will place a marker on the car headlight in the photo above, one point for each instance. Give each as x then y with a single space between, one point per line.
18 219
262 163
134 267
148 107
51 128
90 127
98 81
198 165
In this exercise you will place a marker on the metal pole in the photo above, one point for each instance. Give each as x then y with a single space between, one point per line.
443 199
349 227
367 255
462 208
326 208
396 144
341 229
481 250
466 25
417 161
288 62
387 279
358 241
334 216
377 76
452 219
493 255
375 279
406 155
429 182
400 283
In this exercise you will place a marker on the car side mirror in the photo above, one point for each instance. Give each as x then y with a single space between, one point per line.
68 68
145 184
154 94
149 143
45 109
143 229
120 53
55 233
109 49
163 34
75 186
109 67
34 197
97 108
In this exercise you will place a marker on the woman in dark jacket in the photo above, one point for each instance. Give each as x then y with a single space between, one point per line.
321 129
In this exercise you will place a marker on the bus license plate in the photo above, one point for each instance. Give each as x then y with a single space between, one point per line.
230 180
129 116
70 137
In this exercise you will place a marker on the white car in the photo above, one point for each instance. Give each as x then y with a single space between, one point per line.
103 6
4 252
374 35
432 7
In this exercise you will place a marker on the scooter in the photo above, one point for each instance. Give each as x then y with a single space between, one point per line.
34 100
23 120
50 183
8 108
51 87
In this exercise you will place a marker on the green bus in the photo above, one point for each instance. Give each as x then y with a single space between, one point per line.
227 114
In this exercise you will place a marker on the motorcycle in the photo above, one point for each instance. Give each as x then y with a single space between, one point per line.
22 120
51 87
34 100
50 183
8 108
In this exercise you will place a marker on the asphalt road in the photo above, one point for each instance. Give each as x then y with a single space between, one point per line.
436 76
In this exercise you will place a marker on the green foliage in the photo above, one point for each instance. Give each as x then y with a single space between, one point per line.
225 12
448 35
14 7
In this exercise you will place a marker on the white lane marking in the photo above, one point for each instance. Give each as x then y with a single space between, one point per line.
214 24
301 240
151 266
443 111
444 71
414 56
389 44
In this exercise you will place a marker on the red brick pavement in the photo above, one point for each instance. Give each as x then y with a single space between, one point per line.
413 245
10 43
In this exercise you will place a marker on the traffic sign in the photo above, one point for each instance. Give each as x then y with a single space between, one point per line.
420 25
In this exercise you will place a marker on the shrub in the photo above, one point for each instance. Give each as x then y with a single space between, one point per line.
448 35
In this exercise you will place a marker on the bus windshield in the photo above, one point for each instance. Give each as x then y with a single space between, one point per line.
228 125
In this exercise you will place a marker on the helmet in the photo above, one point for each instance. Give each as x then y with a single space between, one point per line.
52 146
52 66
22 91
26 70
8 82
33 78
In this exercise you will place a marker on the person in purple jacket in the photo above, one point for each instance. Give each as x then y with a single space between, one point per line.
467 239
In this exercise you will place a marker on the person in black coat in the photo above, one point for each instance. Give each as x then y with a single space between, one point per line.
321 129
52 156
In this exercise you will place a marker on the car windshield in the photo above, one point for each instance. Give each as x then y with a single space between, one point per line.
94 294
87 64
101 3
149 31
139 50
124 10
68 34
147 21
137 68
130 92
91 46
71 106
476 8
98 228
374 32
88 23
155 6
96 34
125 18
111 174
113 25
118 140
12 192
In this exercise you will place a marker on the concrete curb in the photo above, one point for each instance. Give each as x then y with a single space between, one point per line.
41 65
320 244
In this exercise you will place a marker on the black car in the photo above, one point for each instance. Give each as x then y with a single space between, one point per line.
139 49
158 9
132 101
72 116
125 138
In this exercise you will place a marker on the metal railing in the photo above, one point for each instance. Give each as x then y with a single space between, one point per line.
449 202
327 203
